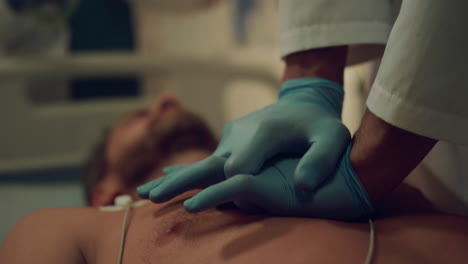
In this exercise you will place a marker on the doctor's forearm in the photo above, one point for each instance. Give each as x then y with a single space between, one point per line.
327 63
383 155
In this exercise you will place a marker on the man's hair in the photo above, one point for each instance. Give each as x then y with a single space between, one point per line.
95 166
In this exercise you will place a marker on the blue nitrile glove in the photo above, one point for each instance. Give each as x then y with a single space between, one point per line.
341 196
305 119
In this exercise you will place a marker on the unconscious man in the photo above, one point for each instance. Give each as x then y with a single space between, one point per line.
137 149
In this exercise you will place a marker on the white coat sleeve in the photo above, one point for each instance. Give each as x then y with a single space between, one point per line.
422 84
309 24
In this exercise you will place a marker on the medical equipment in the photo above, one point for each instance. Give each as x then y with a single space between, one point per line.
47 11
31 27
370 251
123 202
128 207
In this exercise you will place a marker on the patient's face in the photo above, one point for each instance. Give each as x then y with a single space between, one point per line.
145 141
135 129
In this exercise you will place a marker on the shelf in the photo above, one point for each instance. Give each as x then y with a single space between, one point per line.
90 65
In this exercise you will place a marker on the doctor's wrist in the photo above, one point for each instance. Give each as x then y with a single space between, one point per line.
383 155
326 63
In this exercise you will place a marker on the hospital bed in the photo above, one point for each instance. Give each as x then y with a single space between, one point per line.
69 125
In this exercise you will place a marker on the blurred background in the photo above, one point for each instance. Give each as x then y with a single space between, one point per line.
70 68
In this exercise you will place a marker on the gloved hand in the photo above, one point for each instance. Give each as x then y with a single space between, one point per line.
305 119
273 191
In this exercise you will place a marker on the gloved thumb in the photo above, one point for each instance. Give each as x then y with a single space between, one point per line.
320 161
248 159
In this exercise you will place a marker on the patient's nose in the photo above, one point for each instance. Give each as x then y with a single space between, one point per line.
167 104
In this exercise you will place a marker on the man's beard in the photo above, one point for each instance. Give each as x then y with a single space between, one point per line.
181 132
164 139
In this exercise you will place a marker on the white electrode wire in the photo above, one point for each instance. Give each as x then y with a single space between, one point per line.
370 251
124 232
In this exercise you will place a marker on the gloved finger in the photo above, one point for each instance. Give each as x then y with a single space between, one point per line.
171 169
321 160
198 175
239 187
250 157
144 190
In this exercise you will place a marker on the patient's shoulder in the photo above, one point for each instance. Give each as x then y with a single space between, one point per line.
52 235
50 220
58 213
60 220
44 236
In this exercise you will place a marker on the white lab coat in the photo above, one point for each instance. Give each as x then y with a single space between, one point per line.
422 83
311 24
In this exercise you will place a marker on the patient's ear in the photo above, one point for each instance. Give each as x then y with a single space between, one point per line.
105 192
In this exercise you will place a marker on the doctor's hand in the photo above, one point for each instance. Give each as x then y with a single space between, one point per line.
305 121
273 191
